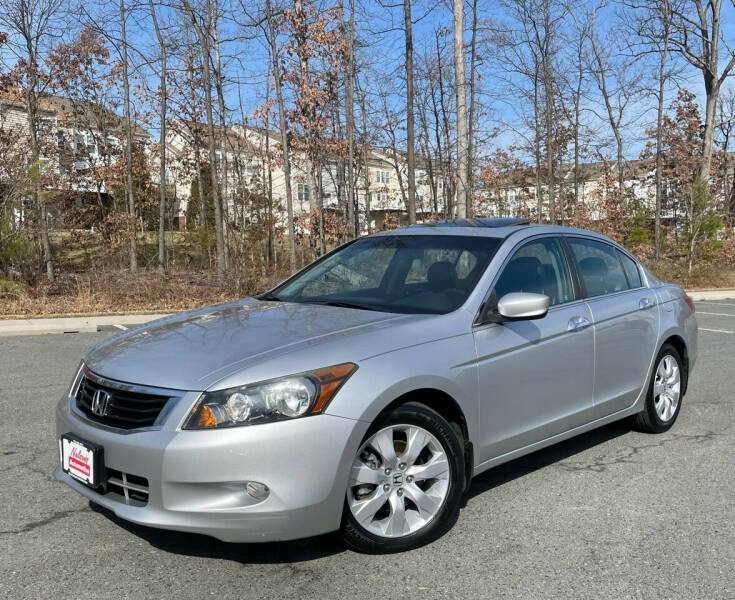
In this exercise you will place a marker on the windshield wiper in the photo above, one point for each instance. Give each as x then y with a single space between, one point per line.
269 296
342 304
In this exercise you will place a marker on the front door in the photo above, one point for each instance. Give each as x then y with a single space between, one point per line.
535 377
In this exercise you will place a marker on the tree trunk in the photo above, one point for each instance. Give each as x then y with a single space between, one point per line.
712 87
128 143
410 156
464 208
162 148
349 75
577 111
548 113
471 119
659 156
218 84
537 146
284 134
204 37
38 197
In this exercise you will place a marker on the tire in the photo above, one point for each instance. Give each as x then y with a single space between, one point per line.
663 403
406 482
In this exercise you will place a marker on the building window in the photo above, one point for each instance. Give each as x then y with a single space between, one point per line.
382 177
45 125
303 193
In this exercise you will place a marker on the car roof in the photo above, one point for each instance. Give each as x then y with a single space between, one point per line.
499 229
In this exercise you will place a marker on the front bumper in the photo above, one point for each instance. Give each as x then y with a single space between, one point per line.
197 478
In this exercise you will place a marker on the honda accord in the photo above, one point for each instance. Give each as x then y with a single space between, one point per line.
364 393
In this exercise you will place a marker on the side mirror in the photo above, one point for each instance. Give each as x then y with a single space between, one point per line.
520 306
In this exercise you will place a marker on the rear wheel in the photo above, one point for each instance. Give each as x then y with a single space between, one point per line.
406 482
663 401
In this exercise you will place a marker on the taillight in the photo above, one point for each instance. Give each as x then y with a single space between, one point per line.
689 301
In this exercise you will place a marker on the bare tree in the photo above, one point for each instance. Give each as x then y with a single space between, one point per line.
471 127
698 38
464 208
410 142
33 22
349 76
617 85
652 27
219 89
162 183
203 31
726 130
133 249
278 79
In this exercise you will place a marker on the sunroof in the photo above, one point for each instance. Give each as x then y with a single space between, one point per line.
478 222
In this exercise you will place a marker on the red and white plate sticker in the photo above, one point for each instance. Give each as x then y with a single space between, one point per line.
77 460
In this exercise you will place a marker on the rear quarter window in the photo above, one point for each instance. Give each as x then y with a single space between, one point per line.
631 270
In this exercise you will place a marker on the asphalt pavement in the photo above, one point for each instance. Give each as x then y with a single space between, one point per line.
611 514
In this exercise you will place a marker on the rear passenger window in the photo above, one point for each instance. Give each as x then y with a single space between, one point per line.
537 267
631 271
599 267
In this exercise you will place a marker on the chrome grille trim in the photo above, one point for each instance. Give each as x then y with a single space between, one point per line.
133 494
162 402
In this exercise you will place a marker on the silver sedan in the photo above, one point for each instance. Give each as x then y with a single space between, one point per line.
365 392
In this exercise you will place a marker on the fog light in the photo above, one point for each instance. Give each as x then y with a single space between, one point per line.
257 491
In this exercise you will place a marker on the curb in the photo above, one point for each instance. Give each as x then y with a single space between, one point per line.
713 295
15 327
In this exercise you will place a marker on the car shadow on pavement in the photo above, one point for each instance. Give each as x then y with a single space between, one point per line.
500 475
191 544
202 546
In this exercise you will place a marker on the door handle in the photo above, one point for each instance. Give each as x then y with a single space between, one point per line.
645 303
576 323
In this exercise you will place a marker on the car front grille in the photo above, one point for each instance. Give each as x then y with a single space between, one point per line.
118 405
132 489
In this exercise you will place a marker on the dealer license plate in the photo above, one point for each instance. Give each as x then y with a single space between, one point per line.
82 460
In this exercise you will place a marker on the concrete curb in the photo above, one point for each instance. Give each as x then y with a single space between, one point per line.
713 295
14 327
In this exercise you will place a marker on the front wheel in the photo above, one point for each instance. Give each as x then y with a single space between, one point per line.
406 482
665 391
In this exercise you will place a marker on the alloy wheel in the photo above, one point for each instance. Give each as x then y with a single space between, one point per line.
667 388
399 481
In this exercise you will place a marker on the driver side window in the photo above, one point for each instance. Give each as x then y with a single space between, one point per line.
538 267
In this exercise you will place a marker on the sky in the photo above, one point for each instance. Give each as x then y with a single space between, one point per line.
380 31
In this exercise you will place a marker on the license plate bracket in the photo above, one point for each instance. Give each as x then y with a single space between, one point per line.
83 460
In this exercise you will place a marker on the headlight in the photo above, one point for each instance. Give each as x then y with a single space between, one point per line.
284 398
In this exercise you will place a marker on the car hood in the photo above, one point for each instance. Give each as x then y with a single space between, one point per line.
193 350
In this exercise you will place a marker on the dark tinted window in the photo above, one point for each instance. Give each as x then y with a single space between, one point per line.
599 267
396 273
537 267
631 271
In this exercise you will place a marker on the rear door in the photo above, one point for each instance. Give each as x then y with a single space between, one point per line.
626 321
535 377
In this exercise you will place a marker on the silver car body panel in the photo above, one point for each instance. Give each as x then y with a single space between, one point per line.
521 386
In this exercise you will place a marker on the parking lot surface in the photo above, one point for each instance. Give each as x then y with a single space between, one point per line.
611 514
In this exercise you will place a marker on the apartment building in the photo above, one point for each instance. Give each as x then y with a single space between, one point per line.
76 139
250 159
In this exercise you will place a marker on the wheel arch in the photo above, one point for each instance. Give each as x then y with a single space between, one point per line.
680 345
443 403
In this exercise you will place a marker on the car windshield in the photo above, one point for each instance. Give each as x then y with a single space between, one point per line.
394 273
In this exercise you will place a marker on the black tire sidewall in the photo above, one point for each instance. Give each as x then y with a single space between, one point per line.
656 422
412 413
